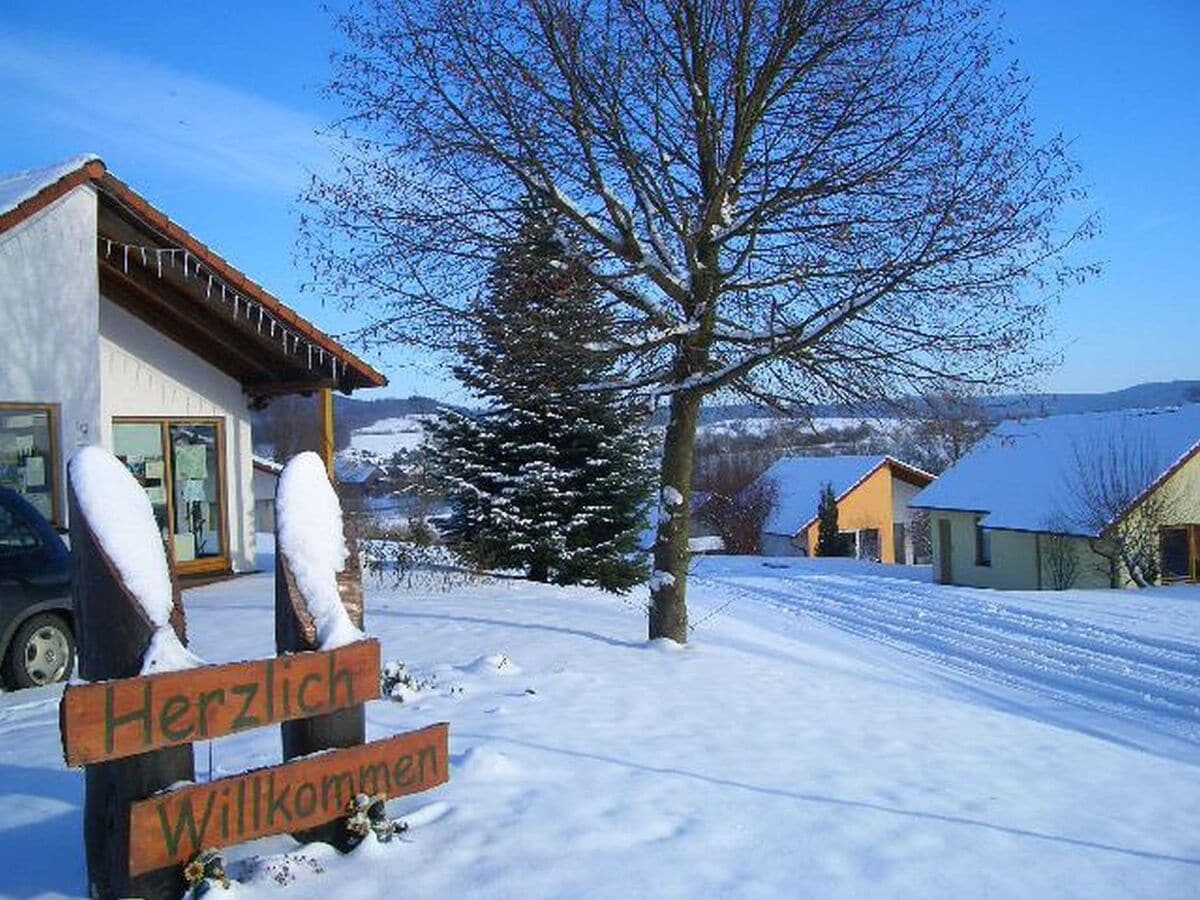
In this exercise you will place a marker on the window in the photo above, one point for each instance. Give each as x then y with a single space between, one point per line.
1176 554
983 544
178 464
15 534
29 455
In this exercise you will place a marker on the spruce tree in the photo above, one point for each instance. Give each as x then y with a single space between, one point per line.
550 479
830 541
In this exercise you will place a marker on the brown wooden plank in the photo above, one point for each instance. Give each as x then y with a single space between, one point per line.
176 825
295 631
113 719
113 633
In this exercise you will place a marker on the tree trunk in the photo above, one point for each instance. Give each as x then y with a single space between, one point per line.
539 570
668 606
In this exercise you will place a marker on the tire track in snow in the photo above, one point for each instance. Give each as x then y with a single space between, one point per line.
1146 680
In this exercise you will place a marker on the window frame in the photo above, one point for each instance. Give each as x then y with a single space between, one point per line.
54 464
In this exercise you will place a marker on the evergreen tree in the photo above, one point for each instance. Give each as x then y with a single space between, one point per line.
830 541
550 479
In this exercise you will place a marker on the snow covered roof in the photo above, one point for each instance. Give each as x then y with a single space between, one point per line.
354 471
800 479
18 187
267 366
1022 474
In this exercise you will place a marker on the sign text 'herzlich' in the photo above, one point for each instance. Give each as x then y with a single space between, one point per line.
113 719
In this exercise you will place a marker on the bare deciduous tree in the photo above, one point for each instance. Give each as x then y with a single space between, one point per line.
791 200
1111 496
1058 551
739 505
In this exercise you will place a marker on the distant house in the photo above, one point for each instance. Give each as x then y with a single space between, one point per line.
120 328
872 498
357 479
1037 502
266 480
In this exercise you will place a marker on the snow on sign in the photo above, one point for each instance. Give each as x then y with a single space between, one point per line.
150 697
177 825
113 719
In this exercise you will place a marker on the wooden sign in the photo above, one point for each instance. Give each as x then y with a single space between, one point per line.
114 719
176 825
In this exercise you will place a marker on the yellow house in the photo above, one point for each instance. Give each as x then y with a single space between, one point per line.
1089 500
872 495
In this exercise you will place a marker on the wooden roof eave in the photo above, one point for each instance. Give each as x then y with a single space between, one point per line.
256 360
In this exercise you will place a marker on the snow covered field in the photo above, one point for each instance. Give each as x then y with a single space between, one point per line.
835 729
387 437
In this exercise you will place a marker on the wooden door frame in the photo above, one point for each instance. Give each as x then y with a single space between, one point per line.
211 564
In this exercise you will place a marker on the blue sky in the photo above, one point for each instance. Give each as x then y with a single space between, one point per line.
211 111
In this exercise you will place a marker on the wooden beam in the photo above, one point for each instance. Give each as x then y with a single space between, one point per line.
113 633
179 324
325 410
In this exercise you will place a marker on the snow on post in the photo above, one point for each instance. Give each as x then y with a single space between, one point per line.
119 514
311 539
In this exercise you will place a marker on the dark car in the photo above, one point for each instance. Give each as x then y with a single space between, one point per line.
37 645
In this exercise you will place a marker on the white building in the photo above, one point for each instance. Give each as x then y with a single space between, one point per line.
118 327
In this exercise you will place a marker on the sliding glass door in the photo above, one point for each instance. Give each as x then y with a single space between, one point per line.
179 463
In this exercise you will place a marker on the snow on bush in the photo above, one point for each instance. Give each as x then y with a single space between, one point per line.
671 496
121 518
313 543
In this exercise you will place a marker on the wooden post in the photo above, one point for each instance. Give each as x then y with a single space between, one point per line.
113 633
325 411
295 632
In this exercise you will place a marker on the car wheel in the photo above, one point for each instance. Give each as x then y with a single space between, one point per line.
42 652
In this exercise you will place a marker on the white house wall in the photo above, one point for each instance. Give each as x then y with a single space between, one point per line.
145 373
49 287
902 492
1015 557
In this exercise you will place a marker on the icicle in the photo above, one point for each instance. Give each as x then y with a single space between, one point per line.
158 255
143 249
260 318
310 356
208 293
223 300
272 328
185 263
126 259
108 248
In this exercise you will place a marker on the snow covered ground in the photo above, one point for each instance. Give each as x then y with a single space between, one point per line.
834 729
